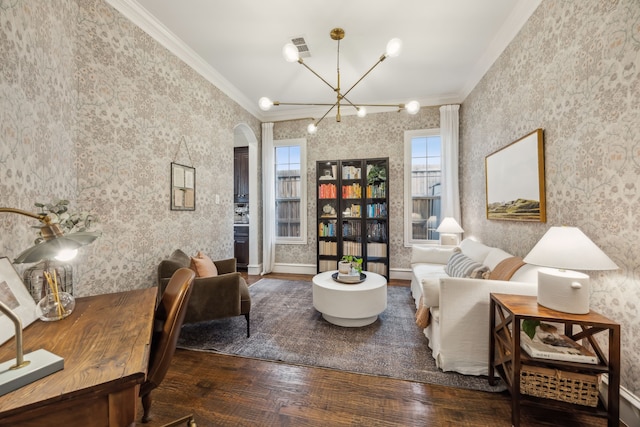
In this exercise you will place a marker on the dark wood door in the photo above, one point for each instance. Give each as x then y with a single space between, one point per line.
241 174
241 246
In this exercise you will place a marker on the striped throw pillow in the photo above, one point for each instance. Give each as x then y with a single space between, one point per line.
460 265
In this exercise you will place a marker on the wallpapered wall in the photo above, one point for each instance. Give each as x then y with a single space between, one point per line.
94 110
376 135
574 70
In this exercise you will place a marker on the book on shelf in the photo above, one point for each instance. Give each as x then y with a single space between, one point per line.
556 347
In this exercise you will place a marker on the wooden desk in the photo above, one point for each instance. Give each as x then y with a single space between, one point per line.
105 345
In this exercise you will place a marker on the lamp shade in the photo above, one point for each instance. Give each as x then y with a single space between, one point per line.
449 225
49 249
568 248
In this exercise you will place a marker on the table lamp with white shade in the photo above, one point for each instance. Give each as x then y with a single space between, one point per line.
449 230
561 250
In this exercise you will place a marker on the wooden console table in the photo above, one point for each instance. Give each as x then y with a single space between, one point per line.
507 358
105 345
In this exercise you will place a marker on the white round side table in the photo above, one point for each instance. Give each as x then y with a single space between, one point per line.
350 305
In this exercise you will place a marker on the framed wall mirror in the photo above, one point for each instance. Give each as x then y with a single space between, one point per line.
183 187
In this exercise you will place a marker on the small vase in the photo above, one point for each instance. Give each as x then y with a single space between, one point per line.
50 309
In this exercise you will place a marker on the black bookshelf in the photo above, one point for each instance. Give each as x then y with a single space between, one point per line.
353 213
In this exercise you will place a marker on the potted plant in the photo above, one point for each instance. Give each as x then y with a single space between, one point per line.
68 222
349 262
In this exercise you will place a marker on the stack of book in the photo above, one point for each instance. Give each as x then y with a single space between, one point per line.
556 347
351 277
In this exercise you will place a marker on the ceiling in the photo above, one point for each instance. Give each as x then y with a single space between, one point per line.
448 45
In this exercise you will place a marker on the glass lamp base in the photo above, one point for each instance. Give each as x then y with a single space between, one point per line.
50 309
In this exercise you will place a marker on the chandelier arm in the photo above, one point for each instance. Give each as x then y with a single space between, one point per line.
400 106
382 58
300 61
304 103
325 114
350 103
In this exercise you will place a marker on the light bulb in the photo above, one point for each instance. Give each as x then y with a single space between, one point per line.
66 254
265 103
362 111
312 128
393 48
412 107
290 52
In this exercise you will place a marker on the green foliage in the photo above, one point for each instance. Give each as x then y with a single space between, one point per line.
58 213
529 327
376 173
355 262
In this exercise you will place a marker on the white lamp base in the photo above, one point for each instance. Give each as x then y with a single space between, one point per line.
449 239
42 363
563 290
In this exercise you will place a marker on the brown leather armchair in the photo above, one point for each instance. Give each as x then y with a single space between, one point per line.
225 295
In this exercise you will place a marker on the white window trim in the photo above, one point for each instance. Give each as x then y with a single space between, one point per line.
408 135
302 142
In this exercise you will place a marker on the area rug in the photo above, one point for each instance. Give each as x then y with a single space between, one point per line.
286 328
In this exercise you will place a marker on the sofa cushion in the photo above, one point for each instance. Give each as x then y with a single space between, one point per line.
428 276
203 266
506 268
527 273
460 265
494 257
474 250
430 254
167 267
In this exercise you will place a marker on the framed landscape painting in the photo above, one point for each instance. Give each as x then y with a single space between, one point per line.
515 180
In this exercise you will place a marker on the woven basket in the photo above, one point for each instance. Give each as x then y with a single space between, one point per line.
565 386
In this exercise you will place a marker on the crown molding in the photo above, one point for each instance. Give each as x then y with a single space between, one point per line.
512 26
140 17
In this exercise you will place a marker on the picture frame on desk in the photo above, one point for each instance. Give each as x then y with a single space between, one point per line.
15 295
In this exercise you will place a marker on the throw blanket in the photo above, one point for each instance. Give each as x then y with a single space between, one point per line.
506 268
423 315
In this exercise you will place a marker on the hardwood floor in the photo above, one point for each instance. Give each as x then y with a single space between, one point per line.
225 390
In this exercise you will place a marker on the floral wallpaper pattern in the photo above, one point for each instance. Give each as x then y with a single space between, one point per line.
94 110
573 70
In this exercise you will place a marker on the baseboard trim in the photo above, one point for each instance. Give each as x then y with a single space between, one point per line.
629 404
254 270
295 268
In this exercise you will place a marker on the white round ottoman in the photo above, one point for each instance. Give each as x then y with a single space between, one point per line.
350 305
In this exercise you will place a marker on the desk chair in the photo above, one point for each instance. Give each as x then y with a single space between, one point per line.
169 317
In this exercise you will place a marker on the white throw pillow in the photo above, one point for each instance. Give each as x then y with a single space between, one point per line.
494 257
430 254
474 250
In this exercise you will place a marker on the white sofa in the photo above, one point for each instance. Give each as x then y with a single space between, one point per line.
458 330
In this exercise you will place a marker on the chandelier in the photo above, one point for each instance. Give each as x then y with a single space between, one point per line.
291 54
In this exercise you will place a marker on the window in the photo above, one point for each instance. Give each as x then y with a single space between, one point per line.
290 191
423 179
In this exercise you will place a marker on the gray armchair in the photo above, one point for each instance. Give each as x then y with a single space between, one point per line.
225 295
